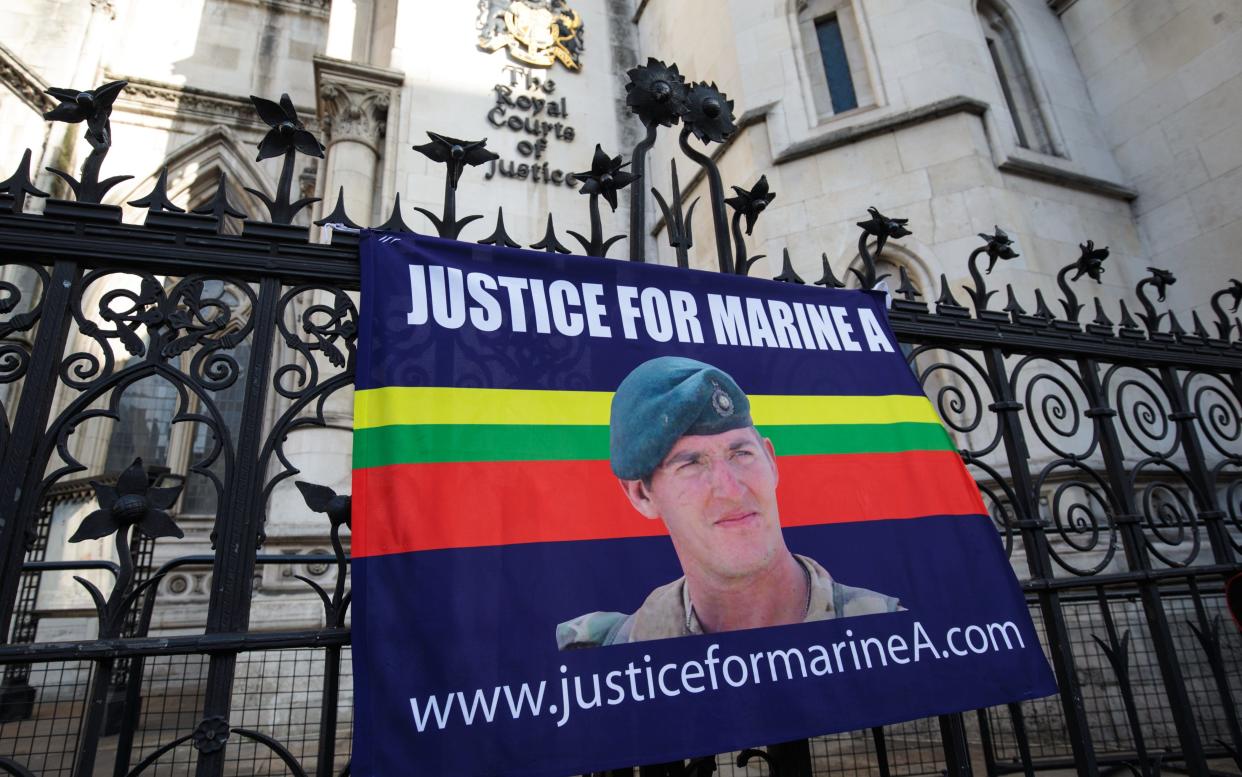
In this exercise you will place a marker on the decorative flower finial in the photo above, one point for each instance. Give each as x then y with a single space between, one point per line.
286 132
1091 262
1234 290
1224 326
605 177
1162 280
457 154
882 227
131 502
322 499
656 92
93 106
709 113
999 246
749 204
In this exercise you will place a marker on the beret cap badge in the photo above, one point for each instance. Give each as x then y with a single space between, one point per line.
721 401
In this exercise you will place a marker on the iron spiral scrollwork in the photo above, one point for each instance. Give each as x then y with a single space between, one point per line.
327 325
1218 418
1142 410
1168 515
319 323
14 346
957 399
1052 407
157 324
1217 411
1145 417
81 411
1081 508
964 411
1000 498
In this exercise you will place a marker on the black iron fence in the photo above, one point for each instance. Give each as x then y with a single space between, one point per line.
1106 444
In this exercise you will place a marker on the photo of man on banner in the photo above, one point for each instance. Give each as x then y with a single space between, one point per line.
686 452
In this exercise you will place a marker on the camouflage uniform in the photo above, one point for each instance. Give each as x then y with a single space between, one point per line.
664 614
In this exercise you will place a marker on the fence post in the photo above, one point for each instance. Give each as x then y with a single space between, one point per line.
239 518
21 470
1035 544
1133 543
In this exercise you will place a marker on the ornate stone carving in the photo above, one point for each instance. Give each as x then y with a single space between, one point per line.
353 112
149 97
24 82
353 101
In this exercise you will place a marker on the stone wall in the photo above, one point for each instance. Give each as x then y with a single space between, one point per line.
1166 81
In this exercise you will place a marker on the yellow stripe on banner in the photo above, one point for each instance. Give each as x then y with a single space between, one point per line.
435 405
394 406
778 410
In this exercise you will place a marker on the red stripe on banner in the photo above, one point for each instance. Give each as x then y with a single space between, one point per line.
410 507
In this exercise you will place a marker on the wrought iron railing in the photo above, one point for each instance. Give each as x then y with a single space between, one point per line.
1107 450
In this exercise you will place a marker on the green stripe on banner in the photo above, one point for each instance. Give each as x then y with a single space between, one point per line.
857 438
434 443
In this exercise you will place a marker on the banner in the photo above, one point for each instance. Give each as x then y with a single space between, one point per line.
610 513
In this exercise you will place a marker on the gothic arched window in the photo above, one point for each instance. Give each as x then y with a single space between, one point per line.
1014 78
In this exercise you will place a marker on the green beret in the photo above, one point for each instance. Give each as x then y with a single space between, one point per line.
663 400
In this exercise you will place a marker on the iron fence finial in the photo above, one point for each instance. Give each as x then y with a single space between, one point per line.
286 136
13 190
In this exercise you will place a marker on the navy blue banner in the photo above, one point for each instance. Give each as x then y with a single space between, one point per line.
826 565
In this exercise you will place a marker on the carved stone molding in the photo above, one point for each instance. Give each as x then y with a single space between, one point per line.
350 113
24 82
155 98
354 100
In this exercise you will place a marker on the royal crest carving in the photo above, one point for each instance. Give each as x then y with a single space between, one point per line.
536 32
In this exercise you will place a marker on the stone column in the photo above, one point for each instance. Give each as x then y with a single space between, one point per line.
354 101
353 107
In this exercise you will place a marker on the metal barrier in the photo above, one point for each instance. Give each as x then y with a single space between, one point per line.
1108 453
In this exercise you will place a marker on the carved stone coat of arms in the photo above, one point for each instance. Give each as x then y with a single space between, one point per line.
536 32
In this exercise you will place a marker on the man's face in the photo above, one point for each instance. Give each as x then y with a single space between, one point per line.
717 496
